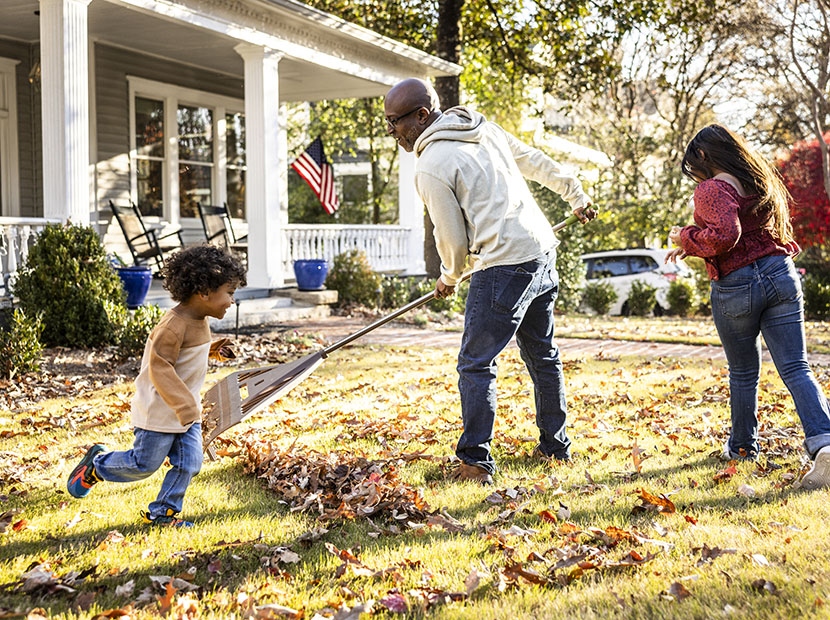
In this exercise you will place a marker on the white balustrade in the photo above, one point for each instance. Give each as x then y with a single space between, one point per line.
385 246
16 237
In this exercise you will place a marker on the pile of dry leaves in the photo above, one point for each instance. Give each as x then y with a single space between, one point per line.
337 485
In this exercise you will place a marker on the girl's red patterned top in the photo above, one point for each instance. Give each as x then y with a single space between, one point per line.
727 235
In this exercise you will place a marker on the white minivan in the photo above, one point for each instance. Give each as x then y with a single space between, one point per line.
621 267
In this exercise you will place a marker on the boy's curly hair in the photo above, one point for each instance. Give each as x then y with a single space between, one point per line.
200 269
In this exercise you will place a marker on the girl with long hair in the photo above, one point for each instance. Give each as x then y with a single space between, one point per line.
742 230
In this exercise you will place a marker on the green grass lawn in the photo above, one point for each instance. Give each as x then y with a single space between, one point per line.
687 330
741 542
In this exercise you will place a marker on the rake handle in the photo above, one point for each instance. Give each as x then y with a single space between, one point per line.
414 304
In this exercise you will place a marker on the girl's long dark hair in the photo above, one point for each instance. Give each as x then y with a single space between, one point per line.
715 147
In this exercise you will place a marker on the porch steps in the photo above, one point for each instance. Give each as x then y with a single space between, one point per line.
255 307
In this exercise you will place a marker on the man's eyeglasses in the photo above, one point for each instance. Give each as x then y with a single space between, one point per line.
393 122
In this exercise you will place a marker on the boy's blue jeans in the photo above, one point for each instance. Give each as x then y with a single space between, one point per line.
502 302
149 450
765 298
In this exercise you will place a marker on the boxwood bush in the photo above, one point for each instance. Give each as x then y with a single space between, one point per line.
20 345
599 296
641 298
681 297
353 279
68 278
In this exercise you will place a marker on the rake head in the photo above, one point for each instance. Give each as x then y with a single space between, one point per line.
244 392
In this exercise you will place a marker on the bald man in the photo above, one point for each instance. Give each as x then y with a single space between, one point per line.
470 174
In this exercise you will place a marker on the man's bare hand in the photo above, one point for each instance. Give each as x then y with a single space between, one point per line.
443 290
586 213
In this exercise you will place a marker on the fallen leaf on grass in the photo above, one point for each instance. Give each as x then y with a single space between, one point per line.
679 591
652 503
759 559
708 555
747 491
167 600
127 613
762 585
125 589
395 602
7 518
725 475
266 612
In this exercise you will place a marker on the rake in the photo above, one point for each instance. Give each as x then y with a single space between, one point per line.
241 393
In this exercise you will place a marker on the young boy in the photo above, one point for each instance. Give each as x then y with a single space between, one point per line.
166 408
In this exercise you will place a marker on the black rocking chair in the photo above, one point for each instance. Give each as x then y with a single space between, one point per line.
145 243
216 222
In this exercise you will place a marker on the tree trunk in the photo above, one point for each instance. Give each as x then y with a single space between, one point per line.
448 47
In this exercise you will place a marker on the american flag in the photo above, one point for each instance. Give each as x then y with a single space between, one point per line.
313 166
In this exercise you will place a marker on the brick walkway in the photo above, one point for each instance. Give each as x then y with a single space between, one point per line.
396 334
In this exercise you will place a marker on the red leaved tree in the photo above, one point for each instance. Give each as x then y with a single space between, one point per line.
801 170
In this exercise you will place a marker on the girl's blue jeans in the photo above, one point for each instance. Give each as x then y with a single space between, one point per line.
765 298
149 450
507 301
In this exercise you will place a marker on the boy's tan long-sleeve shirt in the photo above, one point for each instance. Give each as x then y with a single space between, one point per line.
173 370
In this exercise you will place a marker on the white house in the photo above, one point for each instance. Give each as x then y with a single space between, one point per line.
169 102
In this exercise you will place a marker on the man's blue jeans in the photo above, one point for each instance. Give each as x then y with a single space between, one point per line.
503 302
765 298
149 450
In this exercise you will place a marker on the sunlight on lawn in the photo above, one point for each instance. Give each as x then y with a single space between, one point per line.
686 330
740 541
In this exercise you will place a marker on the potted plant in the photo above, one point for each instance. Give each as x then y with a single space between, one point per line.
310 273
136 281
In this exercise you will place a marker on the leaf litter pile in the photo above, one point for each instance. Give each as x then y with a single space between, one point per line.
352 469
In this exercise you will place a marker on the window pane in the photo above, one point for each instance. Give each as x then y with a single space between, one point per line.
194 186
235 136
609 267
236 192
148 174
639 264
149 127
195 133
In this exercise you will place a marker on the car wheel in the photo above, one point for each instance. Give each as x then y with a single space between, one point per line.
658 310
625 310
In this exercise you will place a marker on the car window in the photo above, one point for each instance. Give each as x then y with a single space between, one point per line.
639 264
609 267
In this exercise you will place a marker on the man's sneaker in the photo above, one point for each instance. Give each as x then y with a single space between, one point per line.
83 476
168 520
728 455
473 473
819 474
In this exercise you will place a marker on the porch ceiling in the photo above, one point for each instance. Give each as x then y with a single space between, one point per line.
136 29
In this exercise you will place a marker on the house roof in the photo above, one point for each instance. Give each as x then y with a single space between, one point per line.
323 56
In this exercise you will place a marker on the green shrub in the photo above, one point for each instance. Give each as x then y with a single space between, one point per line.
681 296
453 303
599 296
398 291
68 278
20 345
641 298
701 283
816 297
569 265
353 279
133 327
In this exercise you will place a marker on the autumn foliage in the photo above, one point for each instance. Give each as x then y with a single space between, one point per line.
802 173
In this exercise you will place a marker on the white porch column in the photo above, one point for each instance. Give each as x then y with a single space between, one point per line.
411 213
64 58
265 163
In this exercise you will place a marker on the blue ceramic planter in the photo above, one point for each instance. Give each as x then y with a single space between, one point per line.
136 281
310 273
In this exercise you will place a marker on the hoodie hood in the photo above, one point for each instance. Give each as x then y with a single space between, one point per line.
458 123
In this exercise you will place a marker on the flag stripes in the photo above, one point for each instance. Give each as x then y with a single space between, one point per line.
315 169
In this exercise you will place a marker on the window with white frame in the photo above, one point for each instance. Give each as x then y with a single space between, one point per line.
205 164
9 183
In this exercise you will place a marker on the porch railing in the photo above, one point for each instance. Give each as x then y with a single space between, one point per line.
16 237
386 247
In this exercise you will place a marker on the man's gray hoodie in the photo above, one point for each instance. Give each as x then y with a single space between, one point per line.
469 175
